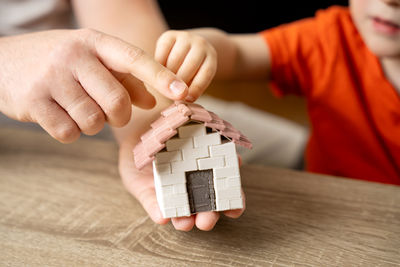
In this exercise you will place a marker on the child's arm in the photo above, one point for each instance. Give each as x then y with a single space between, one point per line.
240 56
139 22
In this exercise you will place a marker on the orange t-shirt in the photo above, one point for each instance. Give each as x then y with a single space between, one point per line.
354 110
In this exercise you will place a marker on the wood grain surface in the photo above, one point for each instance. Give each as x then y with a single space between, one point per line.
64 205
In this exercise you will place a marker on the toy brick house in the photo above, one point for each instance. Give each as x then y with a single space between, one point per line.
195 164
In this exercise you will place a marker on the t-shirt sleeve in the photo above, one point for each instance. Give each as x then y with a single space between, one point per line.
298 53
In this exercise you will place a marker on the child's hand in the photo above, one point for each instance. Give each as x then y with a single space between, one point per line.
73 81
191 57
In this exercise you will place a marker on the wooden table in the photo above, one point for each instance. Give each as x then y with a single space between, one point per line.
65 205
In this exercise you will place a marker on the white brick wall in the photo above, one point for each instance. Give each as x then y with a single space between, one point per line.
227 179
195 153
191 130
211 163
163 169
233 181
184 166
175 200
236 203
166 157
229 193
171 179
232 161
207 140
226 172
171 191
178 144
194 149
227 149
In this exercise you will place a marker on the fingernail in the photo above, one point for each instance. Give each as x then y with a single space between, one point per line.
189 98
177 87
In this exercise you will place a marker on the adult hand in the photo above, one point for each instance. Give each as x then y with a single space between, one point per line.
141 185
72 81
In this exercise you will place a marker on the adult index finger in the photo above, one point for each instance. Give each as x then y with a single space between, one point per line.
123 57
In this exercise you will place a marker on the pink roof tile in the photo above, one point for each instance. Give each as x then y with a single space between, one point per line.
175 116
216 122
244 142
185 110
165 135
169 110
152 146
159 123
176 119
199 113
141 156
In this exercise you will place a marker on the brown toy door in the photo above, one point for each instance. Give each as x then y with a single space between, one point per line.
200 188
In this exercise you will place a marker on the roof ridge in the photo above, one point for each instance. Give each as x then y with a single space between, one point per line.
174 116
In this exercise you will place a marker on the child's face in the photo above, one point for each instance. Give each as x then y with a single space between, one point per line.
378 21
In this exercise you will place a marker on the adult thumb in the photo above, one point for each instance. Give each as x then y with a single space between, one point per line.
121 56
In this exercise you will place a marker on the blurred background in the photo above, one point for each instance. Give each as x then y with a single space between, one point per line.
239 16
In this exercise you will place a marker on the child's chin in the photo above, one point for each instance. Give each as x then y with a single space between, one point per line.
382 47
